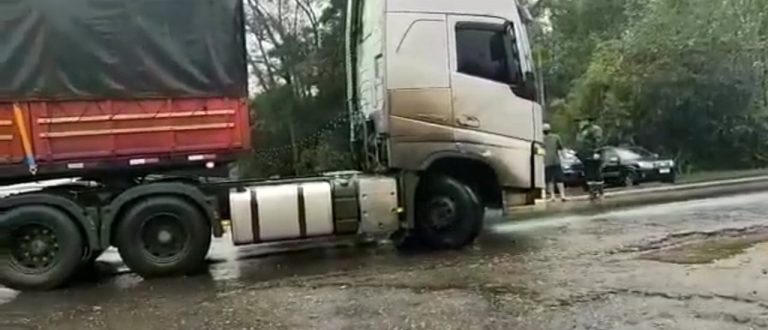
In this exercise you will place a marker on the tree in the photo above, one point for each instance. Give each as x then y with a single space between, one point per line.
684 77
296 56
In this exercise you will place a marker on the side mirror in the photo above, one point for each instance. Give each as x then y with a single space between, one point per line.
509 27
655 156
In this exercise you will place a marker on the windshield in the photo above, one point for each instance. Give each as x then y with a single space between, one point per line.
628 154
642 151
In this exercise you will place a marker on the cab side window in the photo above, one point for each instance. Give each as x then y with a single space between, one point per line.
486 53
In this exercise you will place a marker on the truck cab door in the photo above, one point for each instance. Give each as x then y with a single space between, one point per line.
491 104
487 79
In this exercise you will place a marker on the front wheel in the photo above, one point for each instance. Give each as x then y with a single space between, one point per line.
41 248
163 236
671 178
449 214
629 179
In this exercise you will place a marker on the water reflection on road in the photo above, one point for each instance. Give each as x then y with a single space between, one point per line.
532 274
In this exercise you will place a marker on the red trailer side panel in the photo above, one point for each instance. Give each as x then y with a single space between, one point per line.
10 144
76 135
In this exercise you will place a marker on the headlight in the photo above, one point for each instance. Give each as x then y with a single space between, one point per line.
645 165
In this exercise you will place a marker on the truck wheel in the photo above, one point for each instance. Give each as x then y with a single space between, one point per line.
405 241
87 263
163 236
44 248
449 214
95 254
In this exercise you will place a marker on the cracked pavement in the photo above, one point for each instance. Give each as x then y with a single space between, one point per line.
694 265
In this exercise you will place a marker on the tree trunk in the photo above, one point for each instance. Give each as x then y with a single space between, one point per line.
294 147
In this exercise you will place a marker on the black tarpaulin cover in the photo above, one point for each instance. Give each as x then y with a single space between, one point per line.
94 49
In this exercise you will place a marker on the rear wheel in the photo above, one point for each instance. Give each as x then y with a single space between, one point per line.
163 236
448 213
87 263
42 250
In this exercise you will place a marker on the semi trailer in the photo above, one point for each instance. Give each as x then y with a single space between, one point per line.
109 98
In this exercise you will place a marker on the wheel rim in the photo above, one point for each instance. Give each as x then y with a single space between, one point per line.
442 213
163 238
35 248
629 180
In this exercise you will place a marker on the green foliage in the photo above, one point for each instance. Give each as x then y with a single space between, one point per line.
298 61
683 77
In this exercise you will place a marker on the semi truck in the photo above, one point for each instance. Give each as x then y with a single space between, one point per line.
109 98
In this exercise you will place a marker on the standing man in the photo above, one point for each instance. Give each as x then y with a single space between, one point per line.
553 168
590 139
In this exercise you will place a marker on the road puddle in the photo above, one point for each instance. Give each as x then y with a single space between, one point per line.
707 250
7 295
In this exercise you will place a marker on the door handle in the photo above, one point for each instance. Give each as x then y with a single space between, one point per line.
468 121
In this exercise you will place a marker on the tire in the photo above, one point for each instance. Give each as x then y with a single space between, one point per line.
672 178
95 254
87 263
629 179
163 236
405 241
449 214
43 248
91 270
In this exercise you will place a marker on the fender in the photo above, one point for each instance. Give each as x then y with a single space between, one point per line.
480 173
111 213
434 157
506 176
88 225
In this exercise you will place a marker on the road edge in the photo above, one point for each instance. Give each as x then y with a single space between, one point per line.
644 196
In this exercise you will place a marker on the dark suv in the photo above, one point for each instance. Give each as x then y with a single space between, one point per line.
630 166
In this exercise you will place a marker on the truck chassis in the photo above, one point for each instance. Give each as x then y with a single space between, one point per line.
163 227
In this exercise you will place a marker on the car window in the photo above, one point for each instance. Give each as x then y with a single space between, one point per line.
609 153
643 152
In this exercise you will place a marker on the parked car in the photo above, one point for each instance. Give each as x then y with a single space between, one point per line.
573 169
634 165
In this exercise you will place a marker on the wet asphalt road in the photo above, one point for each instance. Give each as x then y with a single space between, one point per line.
694 265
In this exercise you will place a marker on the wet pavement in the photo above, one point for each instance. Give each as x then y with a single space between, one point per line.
692 265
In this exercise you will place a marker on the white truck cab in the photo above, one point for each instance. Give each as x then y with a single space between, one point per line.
448 84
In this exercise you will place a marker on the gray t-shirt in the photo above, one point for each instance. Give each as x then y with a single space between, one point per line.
552 145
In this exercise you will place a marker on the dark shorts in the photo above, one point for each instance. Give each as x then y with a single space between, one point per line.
593 170
554 174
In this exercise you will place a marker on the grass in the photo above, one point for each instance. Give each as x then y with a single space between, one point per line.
697 177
